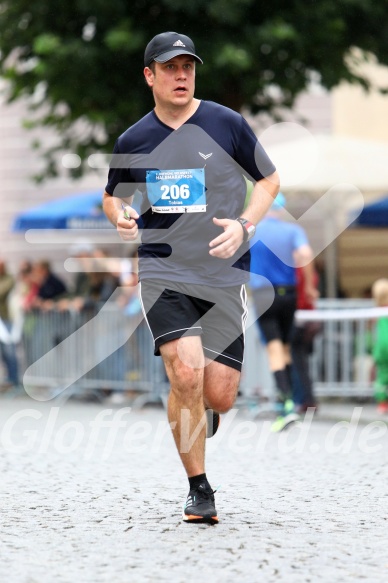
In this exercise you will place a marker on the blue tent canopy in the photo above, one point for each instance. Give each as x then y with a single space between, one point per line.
374 214
77 211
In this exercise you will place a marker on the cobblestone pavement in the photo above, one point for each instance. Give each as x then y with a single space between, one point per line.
92 494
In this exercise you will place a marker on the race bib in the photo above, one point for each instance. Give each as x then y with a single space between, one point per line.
176 191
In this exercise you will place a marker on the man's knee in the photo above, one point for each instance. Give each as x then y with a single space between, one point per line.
221 387
185 374
221 403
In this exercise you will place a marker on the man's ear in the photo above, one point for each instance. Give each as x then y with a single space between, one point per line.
149 76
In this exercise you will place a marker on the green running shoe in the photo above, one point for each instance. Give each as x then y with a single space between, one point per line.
287 417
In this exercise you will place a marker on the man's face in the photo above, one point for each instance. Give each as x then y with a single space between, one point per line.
173 82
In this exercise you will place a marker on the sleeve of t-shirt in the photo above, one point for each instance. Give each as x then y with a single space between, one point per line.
300 237
251 155
118 174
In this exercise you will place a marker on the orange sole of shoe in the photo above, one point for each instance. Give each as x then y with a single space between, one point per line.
200 519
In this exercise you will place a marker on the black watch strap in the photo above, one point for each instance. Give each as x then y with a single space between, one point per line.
248 228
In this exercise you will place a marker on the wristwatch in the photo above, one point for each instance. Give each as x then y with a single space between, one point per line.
248 228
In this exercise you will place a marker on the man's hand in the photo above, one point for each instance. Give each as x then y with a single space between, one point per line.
126 223
226 244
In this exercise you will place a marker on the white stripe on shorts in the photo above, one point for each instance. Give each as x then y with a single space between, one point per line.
144 314
179 330
222 354
244 317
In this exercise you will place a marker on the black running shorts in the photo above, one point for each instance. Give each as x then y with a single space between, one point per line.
218 315
275 322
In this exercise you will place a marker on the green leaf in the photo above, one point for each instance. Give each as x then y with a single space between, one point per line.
234 56
246 46
46 44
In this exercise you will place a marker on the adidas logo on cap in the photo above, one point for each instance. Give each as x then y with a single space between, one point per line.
166 46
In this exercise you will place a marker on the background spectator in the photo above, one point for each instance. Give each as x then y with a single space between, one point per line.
7 345
380 348
50 286
21 302
302 339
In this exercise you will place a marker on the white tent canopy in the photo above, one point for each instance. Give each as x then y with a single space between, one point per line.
327 180
319 162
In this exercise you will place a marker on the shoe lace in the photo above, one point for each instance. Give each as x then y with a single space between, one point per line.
207 493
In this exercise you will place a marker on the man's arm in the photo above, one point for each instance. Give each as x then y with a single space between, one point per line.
122 218
303 257
263 195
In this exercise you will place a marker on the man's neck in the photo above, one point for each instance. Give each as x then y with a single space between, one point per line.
176 116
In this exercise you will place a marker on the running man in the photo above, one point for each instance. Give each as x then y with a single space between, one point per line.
277 249
188 158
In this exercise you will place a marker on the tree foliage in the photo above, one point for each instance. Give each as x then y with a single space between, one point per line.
82 60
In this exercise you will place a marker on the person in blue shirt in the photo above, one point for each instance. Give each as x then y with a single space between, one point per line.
277 249
188 158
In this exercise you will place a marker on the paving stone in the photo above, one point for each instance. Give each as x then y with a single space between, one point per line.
87 503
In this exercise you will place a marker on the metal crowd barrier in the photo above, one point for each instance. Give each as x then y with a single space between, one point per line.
341 364
73 352
95 349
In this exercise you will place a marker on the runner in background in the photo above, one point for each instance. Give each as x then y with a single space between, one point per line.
277 248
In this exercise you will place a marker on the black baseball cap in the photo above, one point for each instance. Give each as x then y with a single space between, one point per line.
166 46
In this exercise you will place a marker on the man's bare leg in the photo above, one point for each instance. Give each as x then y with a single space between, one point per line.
221 384
278 355
186 375
184 361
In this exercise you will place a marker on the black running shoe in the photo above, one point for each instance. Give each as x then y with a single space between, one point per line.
200 506
212 422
